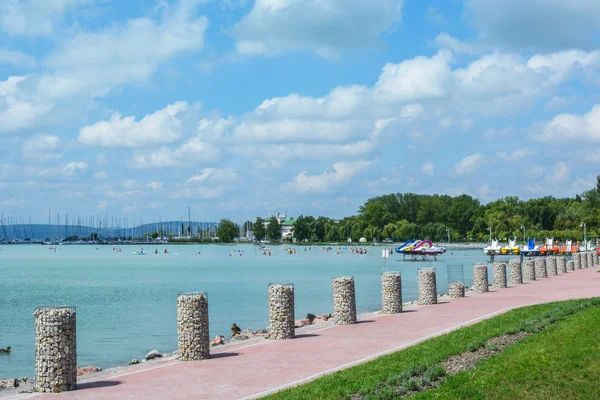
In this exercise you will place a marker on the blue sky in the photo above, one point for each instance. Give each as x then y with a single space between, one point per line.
239 108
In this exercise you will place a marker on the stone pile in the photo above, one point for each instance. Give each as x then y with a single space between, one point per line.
515 272
391 293
456 290
561 264
499 272
577 260
427 287
570 265
281 311
529 270
540 268
55 349
583 260
551 266
480 278
192 326
344 300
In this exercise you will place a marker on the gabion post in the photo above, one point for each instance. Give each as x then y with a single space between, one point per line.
529 271
577 260
391 293
480 278
55 349
561 264
281 311
584 259
499 273
540 268
344 300
192 326
427 286
590 259
516 272
551 266
456 290
570 265
595 258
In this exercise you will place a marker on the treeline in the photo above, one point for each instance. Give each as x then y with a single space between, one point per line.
407 216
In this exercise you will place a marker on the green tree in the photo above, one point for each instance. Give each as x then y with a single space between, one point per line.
303 227
274 229
154 235
227 230
259 229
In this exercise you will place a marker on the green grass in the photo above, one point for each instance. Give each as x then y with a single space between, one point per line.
562 362
372 378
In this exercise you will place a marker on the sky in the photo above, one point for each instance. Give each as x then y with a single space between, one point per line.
240 108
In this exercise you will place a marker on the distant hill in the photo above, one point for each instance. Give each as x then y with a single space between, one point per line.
59 232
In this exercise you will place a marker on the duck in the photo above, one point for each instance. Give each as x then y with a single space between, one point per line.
5 351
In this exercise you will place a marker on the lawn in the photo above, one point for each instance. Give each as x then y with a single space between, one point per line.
561 359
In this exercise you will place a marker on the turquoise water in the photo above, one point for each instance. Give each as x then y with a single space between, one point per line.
126 304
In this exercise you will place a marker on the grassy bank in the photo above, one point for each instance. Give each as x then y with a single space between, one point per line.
547 364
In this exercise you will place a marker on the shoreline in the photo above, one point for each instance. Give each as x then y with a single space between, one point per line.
26 383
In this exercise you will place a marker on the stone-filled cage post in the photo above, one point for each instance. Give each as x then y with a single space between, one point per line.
515 272
55 349
480 278
344 300
391 293
281 311
427 286
192 326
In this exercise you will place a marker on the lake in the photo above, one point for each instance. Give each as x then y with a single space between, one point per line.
126 304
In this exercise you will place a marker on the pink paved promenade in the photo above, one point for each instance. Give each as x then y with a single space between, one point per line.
255 369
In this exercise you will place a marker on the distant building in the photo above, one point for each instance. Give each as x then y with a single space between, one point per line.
287 228
287 225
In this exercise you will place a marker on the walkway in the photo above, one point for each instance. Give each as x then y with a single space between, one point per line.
255 369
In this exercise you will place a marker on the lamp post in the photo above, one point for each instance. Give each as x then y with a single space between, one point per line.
523 227
584 235
490 229
448 232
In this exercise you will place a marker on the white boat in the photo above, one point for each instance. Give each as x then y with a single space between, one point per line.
492 249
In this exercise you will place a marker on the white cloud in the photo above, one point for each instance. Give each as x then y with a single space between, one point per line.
445 41
514 156
415 79
162 126
74 168
41 149
194 151
562 64
123 53
18 111
534 24
573 129
327 181
469 164
559 173
102 205
129 183
155 185
101 175
325 27
428 168
16 59
216 176
35 17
